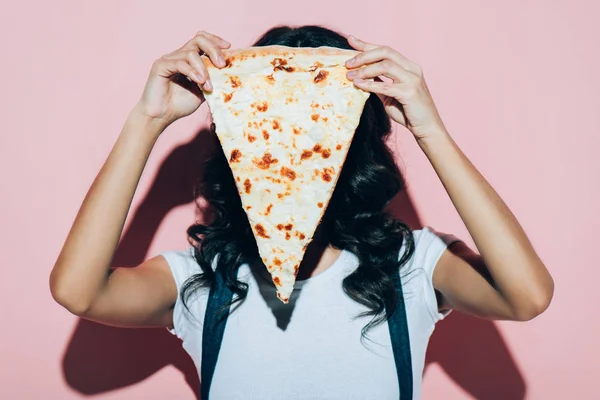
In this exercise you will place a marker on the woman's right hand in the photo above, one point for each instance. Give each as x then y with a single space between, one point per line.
173 87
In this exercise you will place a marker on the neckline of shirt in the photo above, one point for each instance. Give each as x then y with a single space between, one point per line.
334 269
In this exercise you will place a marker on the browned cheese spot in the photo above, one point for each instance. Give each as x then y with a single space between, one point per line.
277 261
260 231
289 100
235 81
326 175
251 138
280 226
262 107
270 78
338 147
277 281
325 119
326 153
280 195
317 148
237 179
306 154
288 173
227 97
276 125
235 156
296 270
248 207
289 227
302 238
247 185
269 209
281 64
265 134
314 104
296 131
287 236
315 117
320 204
321 76
266 161
315 66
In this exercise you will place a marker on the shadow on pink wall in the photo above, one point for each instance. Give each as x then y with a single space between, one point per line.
99 358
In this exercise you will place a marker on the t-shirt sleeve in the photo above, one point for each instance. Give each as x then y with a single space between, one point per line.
429 246
182 265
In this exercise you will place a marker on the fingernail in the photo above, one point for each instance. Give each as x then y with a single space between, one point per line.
351 74
208 85
221 61
351 61
358 81
198 76
351 37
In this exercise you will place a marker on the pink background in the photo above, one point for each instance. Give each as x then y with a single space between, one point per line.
516 83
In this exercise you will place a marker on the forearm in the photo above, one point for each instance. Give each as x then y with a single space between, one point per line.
84 261
518 273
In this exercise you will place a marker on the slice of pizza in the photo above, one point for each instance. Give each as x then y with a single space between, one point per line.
285 118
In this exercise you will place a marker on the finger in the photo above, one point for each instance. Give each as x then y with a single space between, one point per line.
195 60
378 54
382 97
359 44
171 67
222 43
385 68
203 43
382 88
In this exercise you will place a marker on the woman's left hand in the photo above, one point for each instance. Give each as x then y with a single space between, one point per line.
405 96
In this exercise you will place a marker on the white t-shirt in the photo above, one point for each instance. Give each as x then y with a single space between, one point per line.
311 347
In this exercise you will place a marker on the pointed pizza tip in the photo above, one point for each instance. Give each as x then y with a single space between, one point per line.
285 300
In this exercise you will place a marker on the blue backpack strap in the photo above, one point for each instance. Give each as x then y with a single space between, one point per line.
212 331
398 325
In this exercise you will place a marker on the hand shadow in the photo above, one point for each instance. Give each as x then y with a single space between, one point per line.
470 350
101 358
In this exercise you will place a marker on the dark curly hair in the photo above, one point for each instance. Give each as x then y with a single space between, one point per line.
355 219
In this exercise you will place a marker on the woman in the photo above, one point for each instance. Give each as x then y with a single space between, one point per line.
310 348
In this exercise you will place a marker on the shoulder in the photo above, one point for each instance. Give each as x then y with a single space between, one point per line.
417 272
430 244
182 264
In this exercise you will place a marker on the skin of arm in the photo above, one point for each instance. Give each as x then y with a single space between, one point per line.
82 279
518 285
507 279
